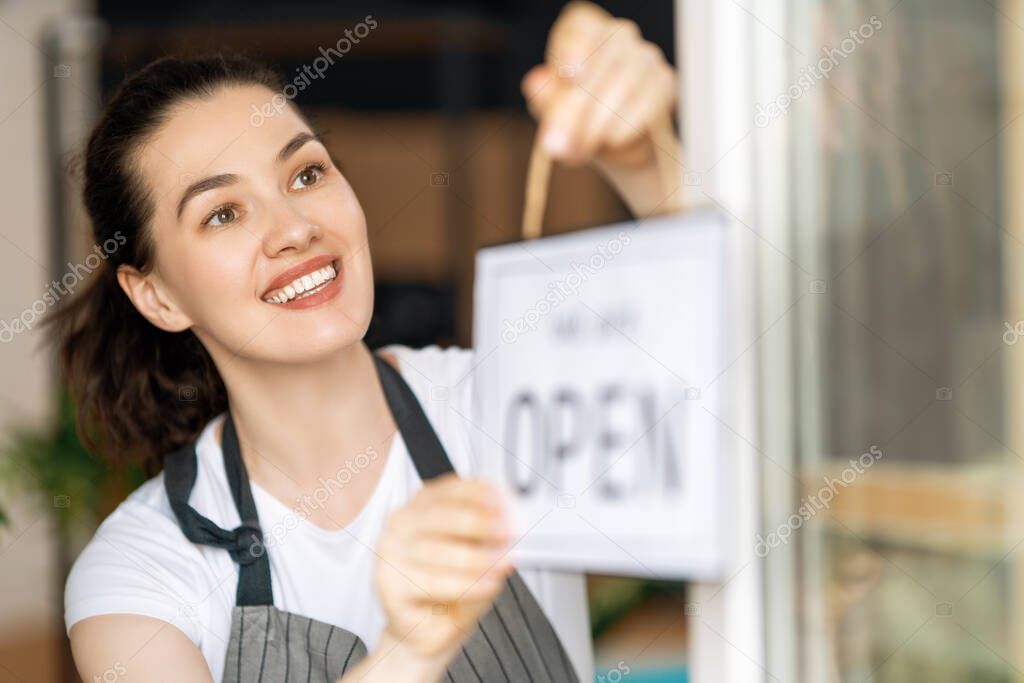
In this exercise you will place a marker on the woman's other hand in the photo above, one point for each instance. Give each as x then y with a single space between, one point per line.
442 562
600 90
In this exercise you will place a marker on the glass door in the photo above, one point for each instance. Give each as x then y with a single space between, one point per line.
902 531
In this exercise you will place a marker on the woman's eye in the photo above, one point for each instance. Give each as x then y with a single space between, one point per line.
308 176
221 216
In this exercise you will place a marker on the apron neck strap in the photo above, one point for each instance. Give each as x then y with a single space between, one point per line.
425 449
245 542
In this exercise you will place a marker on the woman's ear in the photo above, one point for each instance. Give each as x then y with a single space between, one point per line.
147 294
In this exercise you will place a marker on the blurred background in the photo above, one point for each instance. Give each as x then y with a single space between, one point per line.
869 155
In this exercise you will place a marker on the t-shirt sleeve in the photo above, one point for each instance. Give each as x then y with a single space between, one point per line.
138 562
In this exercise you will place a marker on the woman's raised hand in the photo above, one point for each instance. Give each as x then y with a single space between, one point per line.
600 90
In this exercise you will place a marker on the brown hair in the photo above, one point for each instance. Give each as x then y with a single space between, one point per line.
141 392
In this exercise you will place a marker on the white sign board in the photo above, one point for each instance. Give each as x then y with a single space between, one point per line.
598 358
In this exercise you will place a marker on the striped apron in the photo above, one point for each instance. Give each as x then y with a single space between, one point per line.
514 641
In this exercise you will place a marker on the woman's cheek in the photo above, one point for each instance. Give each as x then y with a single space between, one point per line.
345 208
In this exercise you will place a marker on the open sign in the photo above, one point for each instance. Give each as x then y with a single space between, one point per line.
599 358
544 435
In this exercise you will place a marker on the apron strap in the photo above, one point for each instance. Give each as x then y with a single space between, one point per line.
245 542
420 439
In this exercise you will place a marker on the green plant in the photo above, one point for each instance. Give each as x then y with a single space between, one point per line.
611 597
52 465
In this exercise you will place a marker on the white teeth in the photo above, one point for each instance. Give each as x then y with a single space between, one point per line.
304 285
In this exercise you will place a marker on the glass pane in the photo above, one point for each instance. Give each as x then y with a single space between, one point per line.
905 561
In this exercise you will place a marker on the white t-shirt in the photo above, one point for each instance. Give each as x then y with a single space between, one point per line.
139 561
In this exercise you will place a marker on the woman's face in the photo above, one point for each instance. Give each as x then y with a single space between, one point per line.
260 242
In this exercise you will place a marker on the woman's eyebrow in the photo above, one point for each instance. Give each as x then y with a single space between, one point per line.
201 186
294 144
213 182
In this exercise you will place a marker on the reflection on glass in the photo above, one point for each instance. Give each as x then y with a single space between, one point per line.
905 572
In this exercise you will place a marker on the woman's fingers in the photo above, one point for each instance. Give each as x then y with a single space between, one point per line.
585 57
444 518
580 29
637 113
466 509
560 127
626 99
539 86
455 529
601 89
450 487
447 555
443 586
441 561
446 570
611 97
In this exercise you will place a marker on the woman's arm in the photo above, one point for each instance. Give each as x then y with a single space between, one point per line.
600 93
130 647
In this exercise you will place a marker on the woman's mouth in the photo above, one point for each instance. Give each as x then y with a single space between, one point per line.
309 289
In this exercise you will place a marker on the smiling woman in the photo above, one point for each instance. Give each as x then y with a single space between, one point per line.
265 264
224 342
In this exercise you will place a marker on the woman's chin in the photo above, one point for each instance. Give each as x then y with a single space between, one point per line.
315 342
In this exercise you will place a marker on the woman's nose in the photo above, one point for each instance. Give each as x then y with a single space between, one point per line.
289 229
